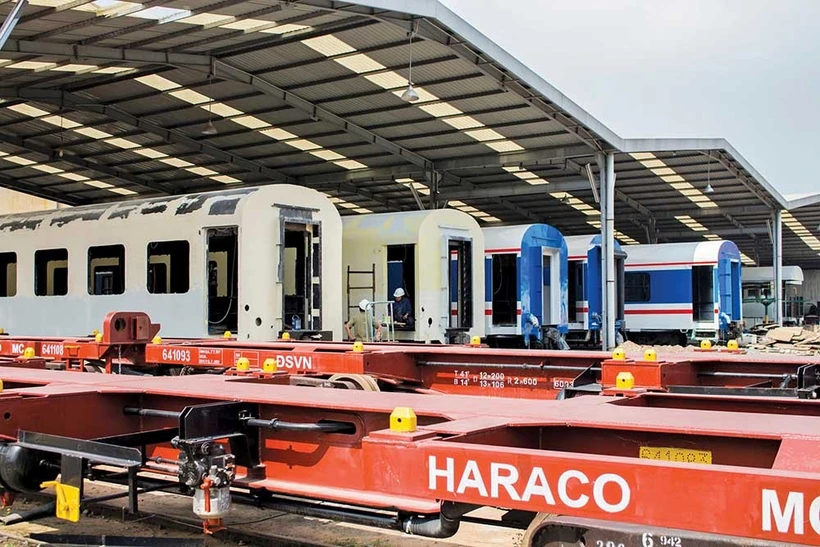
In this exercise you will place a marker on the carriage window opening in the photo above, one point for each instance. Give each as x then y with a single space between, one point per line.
637 287
8 274
51 272
504 296
169 267
223 282
703 294
461 284
106 269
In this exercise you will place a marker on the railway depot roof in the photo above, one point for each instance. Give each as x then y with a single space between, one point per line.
110 99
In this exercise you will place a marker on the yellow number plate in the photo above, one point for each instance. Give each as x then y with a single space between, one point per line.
682 455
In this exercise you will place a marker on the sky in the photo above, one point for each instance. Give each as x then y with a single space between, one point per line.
744 70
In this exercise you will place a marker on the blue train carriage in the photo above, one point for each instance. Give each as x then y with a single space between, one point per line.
681 293
585 288
525 276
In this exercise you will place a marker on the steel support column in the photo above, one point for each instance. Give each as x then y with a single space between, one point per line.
777 265
11 21
608 212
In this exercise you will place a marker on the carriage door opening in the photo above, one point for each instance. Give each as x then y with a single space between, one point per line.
549 276
296 276
620 286
223 279
461 283
401 272
575 289
735 288
505 293
703 294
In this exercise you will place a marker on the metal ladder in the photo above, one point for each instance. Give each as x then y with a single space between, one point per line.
351 305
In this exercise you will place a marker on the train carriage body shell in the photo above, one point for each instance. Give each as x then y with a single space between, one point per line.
257 218
435 255
693 289
525 276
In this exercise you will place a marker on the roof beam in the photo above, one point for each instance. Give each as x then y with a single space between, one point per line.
532 158
511 190
107 55
52 156
40 192
75 102
319 113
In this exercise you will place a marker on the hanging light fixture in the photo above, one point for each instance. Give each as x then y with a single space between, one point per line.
210 129
410 95
709 189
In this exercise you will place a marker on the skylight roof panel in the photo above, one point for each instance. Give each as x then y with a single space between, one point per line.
28 110
123 191
93 133
328 155
284 29
157 82
206 19
31 65
202 171
221 109
328 45
440 110
304 144
278 134
251 122
176 162
360 63
643 155
75 68
463 122
226 179
350 164
190 96
248 25
387 80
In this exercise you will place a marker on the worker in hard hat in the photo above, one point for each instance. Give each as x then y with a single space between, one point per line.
357 327
402 308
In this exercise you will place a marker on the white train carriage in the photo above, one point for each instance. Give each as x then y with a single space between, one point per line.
253 261
681 293
758 294
585 290
435 256
525 276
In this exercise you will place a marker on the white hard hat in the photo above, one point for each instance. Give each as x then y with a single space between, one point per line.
363 304
398 292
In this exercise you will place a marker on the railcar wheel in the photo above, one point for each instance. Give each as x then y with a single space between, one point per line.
540 535
361 382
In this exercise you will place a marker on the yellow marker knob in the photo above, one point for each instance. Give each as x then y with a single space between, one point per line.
28 353
269 365
475 341
243 363
98 337
732 345
285 336
358 346
619 354
95 332
624 380
227 334
2 331
156 340
650 355
403 420
1 385
705 344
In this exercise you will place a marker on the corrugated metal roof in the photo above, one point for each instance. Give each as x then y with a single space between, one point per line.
306 97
